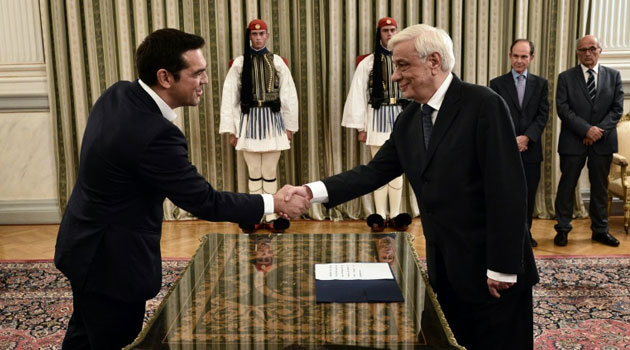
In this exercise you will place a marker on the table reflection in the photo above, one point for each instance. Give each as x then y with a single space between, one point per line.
385 247
262 251
257 291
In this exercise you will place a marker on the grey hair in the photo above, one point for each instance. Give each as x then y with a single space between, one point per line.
428 40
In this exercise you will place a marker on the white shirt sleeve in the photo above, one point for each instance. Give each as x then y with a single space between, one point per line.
320 193
501 277
288 95
268 200
231 99
356 109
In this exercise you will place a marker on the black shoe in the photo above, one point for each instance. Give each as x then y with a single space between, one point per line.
247 228
533 241
605 238
279 225
401 222
376 223
560 239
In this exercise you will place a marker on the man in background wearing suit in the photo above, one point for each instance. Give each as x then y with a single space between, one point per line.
526 95
132 157
457 147
589 99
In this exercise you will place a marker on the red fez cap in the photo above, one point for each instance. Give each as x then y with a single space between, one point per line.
387 21
257 24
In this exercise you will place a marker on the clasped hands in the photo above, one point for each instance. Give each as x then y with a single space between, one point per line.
292 201
593 134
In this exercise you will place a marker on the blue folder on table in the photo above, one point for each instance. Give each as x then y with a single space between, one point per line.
357 291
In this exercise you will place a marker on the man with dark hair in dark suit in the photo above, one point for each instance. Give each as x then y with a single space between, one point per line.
457 147
589 99
526 95
132 158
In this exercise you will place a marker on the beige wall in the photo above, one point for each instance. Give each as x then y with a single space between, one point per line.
28 192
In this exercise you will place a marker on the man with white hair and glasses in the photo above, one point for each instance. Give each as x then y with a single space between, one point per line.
457 146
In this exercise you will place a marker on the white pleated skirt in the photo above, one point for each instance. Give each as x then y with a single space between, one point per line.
262 130
381 124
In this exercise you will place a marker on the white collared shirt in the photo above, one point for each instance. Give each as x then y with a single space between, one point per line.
438 97
166 110
170 115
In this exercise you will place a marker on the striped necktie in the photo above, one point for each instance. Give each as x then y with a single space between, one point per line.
427 124
590 84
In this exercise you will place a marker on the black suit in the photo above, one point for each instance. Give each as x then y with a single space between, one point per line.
471 192
131 159
578 113
529 120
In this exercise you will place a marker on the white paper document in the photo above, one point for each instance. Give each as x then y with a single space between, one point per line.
353 271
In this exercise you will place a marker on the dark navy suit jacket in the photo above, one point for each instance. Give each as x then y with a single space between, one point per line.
470 187
132 158
530 118
578 112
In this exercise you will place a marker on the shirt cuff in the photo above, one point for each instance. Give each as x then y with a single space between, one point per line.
268 200
501 277
320 193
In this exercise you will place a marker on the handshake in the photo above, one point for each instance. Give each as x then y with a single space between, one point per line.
292 201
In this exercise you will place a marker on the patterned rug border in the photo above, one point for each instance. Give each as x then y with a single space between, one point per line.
10 261
583 256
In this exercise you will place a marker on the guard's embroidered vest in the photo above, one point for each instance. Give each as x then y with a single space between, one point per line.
391 91
265 81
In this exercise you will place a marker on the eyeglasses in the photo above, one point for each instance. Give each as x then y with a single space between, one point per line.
592 49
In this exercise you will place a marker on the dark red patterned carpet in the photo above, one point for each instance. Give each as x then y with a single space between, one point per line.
581 303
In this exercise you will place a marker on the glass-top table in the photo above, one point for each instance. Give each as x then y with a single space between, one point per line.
257 291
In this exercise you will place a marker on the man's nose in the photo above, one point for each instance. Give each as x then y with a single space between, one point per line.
396 75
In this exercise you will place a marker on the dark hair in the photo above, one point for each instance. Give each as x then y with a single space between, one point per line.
531 45
377 94
247 95
164 49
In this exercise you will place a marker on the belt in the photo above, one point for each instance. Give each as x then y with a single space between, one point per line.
259 103
392 101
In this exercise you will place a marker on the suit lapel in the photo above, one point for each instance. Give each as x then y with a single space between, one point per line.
530 86
446 115
602 80
508 84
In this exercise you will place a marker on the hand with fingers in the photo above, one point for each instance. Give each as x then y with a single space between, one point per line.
495 286
292 201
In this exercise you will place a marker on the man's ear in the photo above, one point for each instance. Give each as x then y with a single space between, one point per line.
164 78
435 60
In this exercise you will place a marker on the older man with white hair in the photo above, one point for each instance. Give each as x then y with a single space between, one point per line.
457 146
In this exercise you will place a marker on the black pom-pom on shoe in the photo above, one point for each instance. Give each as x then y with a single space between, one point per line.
247 228
402 221
376 223
279 225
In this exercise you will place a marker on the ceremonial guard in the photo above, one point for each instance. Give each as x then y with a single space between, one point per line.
259 110
373 104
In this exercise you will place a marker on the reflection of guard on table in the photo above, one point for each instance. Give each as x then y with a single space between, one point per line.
262 252
385 245
259 110
373 104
